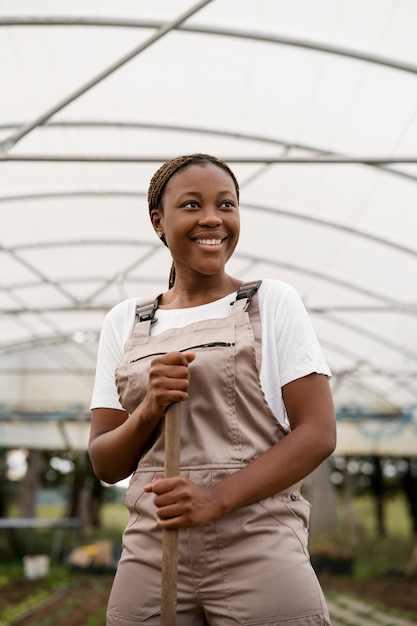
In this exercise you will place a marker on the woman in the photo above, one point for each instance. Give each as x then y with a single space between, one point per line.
257 417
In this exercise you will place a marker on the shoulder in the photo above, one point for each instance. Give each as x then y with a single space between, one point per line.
123 308
121 313
277 293
119 321
281 308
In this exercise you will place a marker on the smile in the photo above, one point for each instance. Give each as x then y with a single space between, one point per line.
209 242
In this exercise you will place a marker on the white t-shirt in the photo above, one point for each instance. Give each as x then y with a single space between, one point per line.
290 349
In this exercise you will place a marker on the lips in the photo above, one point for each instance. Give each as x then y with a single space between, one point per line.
208 242
213 238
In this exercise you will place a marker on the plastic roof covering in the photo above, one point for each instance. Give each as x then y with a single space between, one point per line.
314 105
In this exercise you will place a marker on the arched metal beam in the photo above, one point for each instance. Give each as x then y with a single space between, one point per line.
116 277
399 379
104 307
374 336
254 260
112 158
333 224
58 286
275 210
163 29
48 341
282 39
45 280
285 144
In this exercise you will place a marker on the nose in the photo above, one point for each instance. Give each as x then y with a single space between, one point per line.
210 216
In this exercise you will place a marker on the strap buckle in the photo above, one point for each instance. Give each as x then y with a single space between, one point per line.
146 313
248 290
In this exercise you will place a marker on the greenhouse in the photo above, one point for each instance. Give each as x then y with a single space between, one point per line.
314 106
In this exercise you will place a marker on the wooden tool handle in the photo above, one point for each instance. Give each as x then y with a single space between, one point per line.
172 440
170 537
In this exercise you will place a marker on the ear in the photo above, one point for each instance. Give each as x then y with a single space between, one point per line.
156 220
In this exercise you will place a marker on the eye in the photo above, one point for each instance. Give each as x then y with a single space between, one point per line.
191 204
227 204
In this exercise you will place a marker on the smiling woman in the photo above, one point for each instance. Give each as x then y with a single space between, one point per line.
256 417
222 199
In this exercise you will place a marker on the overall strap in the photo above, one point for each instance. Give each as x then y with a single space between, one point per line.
247 291
145 313
247 294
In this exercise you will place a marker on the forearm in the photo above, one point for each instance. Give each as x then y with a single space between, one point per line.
182 503
283 465
115 453
117 441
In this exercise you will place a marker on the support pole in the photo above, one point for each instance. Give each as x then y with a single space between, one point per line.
170 536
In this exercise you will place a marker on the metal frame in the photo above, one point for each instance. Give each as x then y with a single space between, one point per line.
319 156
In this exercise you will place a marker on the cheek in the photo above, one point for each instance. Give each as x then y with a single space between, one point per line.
236 227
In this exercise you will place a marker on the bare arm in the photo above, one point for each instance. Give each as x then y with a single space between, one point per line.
118 440
312 439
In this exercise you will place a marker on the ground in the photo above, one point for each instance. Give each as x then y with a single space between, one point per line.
83 603
394 594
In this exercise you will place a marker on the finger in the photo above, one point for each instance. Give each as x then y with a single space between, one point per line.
190 356
169 512
160 485
150 486
173 522
175 358
164 373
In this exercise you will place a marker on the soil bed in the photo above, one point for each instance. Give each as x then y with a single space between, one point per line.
398 594
83 602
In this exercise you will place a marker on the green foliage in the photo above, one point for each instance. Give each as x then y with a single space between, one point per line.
357 536
58 578
13 611
98 619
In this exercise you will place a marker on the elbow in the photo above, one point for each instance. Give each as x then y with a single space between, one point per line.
330 448
106 476
328 444
101 469
105 470
109 480
97 469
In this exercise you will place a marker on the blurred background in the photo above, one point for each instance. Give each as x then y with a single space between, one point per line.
314 105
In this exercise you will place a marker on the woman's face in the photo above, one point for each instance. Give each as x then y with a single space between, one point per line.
200 219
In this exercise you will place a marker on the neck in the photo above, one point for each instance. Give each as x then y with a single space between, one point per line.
184 294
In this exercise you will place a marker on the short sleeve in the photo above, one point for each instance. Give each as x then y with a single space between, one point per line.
290 349
117 328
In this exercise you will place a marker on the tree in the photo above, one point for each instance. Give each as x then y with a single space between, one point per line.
321 494
5 483
410 490
30 483
86 494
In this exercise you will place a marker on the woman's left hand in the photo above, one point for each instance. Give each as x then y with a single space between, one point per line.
182 503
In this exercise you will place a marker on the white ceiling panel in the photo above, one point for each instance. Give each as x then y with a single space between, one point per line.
314 105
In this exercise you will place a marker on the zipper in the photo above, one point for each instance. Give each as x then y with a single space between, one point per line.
210 344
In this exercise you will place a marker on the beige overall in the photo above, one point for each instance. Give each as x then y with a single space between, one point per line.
252 565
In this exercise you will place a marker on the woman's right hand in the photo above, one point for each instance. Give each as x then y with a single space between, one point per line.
169 379
117 439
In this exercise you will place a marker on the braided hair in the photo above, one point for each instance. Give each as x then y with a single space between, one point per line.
161 177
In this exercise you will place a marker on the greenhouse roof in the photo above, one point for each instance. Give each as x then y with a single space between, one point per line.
313 104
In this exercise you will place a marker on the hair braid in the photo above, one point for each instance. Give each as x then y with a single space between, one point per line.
161 177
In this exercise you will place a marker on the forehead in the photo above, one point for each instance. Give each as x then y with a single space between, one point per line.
193 177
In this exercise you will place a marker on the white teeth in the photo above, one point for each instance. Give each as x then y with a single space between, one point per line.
209 242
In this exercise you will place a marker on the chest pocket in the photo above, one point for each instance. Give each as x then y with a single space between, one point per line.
212 369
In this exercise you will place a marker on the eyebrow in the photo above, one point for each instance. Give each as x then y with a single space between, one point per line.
225 192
